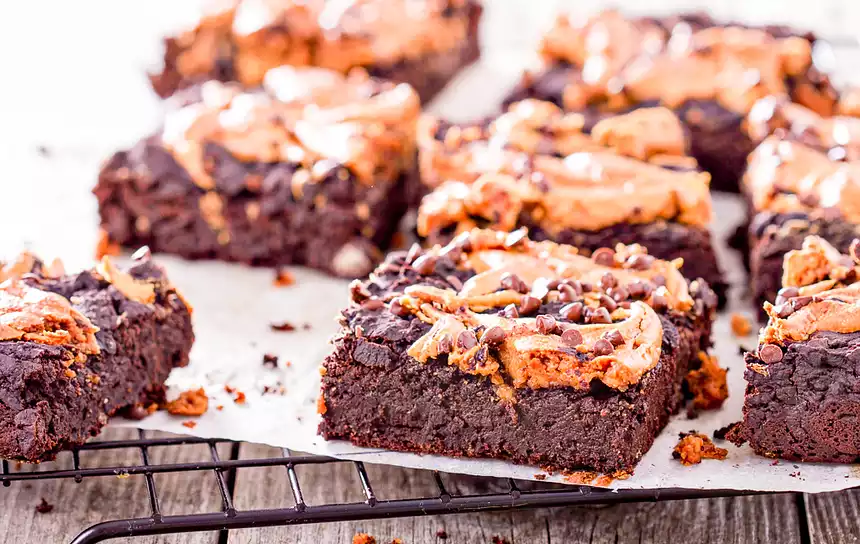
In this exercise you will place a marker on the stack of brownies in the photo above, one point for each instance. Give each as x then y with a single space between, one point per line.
558 308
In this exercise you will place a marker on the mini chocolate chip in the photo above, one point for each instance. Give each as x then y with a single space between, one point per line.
511 312
618 293
608 303
639 289
480 357
515 237
455 282
604 257
545 324
425 265
615 338
607 281
553 285
493 336
854 250
445 344
789 292
602 347
586 287
572 311
640 262
413 253
576 285
783 310
799 302
466 340
659 280
373 304
597 316
513 282
659 302
567 293
398 309
770 353
529 305
571 337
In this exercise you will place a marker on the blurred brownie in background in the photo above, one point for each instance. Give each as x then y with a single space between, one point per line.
626 179
312 169
709 73
803 179
420 42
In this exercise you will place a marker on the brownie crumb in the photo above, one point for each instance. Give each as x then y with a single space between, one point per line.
741 325
603 480
239 398
44 506
277 389
270 360
363 538
106 247
736 433
442 533
219 407
189 424
283 326
693 447
540 477
284 278
708 384
580 477
723 432
500 540
190 403
138 411
43 150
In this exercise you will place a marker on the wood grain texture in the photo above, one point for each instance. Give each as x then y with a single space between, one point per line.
834 518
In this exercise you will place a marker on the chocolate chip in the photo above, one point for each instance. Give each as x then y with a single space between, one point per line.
659 280
425 265
398 309
529 305
783 310
786 293
136 412
597 316
567 293
480 358
511 312
607 281
493 336
373 304
515 238
854 250
572 311
545 324
455 282
571 337
799 302
576 285
604 257
586 287
445 344
608 303
770 353
553 285
618 293
466 340
659 302
602 347
640 262
615 338
513 282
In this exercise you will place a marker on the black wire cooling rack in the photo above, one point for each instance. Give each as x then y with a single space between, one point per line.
229 517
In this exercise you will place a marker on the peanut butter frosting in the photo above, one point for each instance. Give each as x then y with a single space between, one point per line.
258 35
820 293
535 159
805 163
538 314
628 61
304 116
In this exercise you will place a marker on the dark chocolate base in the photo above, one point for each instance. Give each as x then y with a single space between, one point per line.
807 406
44 410
339 224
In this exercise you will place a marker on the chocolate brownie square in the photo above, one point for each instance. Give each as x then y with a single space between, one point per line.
420 42
313 169
626 179
804 179
708 72
497 346
802 398
77 348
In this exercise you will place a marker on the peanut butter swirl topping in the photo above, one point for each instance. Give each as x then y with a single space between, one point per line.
820 293
624 62
535 159
258 35
807 163
305 115
538 314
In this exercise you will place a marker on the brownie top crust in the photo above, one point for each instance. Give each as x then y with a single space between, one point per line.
538 312
805 163
820 294
306 116
627 168
628 61
340 35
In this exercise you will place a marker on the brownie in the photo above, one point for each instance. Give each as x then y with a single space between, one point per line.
803 179
710 73
802 400
313 169
626 179
77 348
497 346
423 43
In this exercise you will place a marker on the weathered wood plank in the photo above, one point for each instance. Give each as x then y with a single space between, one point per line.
834 518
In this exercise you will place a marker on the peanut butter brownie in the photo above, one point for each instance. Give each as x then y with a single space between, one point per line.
420 42
626 179
709 73
498 346
802 398
804 179
77 348
313 169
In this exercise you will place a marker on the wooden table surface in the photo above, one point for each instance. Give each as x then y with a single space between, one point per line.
73 85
